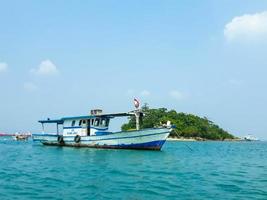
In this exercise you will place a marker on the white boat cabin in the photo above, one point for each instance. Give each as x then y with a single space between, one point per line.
90 125
85 126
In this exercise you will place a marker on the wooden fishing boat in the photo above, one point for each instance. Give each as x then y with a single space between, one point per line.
93 131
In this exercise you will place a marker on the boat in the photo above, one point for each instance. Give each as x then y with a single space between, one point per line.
93 131
250 138
6 135
21 136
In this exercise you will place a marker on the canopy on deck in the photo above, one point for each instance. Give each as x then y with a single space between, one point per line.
61 121
48 121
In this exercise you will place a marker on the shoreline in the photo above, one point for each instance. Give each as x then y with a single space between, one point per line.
201 140
182 139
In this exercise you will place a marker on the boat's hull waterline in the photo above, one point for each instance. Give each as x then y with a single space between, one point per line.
147 139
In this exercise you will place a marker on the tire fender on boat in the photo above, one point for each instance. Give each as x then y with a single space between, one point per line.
60 139
77 138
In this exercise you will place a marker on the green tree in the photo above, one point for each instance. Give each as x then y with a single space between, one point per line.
187 125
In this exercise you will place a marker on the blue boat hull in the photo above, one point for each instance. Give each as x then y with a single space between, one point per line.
155 145
149 139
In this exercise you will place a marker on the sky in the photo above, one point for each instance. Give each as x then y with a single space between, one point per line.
63 58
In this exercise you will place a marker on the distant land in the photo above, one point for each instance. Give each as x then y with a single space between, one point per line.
187 126
6 134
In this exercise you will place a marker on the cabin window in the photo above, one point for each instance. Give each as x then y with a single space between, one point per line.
107 122
92 122
104 122
84 123
73 123
96 123
80 122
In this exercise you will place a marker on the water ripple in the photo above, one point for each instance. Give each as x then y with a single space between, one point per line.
226 170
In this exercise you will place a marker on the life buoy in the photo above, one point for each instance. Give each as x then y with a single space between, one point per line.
60 139
77 139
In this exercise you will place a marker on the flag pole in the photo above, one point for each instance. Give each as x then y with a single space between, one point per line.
137 119
137 113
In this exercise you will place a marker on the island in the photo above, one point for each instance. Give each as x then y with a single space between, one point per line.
186 126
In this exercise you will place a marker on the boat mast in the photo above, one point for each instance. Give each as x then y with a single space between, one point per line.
43 128
137 119
137 113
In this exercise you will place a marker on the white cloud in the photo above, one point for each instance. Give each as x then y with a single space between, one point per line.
145 93
29 86
46 68
177 95
235 82
3 67
247 27
130 92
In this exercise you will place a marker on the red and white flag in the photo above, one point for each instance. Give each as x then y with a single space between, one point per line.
136 103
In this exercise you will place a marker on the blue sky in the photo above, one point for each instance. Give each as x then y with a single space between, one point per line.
206 57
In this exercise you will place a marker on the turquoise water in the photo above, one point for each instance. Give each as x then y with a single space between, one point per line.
182 170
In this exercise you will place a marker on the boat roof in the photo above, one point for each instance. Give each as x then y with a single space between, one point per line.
61 121
48 121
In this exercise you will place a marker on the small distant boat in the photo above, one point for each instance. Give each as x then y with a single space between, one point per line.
92 131
21 136
250 138
6 134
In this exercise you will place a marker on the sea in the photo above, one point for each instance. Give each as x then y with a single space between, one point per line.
182 170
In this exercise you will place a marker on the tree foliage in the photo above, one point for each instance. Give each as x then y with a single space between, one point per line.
186 125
